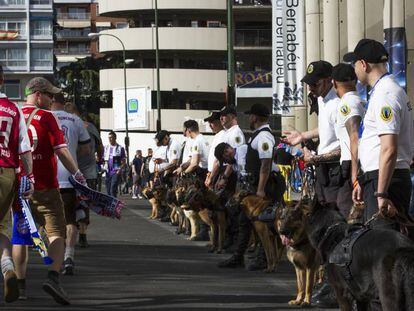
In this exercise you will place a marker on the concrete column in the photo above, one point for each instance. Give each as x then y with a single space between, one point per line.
313 47
394 13
288 123
301 119
356 22
331 31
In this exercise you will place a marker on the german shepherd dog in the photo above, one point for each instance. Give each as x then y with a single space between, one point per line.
155 196
381 262
300 252
253 206
180 191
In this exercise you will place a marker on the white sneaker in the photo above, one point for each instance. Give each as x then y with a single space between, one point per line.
134 197
140 196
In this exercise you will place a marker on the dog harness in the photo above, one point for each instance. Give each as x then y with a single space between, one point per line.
342 254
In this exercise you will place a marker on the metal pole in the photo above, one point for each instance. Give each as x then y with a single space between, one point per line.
230 54
157 64
126 106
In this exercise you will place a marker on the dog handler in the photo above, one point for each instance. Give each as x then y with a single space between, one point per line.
385 150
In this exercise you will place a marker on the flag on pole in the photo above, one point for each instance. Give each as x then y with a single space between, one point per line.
8 35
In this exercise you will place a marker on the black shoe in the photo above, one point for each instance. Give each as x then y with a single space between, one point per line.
257 265
323 290
11 288
68 267
53 288
233 262
83 241
325 297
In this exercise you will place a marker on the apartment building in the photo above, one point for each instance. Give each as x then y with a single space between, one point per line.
31 52
76 19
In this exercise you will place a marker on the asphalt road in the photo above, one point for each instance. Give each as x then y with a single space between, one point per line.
138 264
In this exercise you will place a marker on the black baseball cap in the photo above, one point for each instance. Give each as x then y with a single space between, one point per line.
258 110
161 135
215 115
343 73
316 71
228 110
369 50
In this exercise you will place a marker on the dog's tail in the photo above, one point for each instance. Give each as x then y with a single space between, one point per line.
404 278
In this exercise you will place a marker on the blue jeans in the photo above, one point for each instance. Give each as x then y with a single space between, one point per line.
411 211
111 183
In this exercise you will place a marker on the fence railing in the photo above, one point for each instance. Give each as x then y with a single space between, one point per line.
74 16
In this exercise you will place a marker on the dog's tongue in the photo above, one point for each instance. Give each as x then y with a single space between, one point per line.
285 240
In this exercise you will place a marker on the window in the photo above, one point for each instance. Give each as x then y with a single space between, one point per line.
77 13
41 2
122 25
18 26
213 24
97 9
41 28
194 23
42 58
13 57
12 2
12 89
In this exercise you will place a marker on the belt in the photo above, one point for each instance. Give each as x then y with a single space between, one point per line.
367 176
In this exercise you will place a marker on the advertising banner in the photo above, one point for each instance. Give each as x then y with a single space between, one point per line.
139 101
395 42
288 54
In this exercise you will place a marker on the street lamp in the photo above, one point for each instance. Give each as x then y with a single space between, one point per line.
95 35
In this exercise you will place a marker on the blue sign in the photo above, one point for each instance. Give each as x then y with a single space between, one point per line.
133 105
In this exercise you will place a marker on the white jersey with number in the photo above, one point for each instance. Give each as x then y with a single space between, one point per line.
388 112
200 147
351 105
75 133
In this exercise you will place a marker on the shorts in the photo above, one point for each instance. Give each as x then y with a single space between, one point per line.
70 204
5 225
47 210
8 184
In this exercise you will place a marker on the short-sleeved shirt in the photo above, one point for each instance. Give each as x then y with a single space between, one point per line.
328 106
114 155
351 105
234 136
263 143
187 149
389 112
87 162
46 136
137 163
159 153
200 147
218 138
75 134
173 151
14 139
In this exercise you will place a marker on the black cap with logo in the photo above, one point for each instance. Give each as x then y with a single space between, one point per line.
258 110
369 50
228 110
343 73
316 71
215 115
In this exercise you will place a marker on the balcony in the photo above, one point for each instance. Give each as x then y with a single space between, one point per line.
68 34
14 64
40 2
12 5
41 34
127 7
74 20
170 38
74 51
253 39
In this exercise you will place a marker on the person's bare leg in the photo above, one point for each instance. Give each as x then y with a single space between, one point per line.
71 234
20 257
11 289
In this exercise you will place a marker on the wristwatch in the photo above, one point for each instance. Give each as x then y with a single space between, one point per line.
383 195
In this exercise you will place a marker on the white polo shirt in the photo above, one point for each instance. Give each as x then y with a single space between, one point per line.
326 122
218 138
351 105
159 153
234 136
187 150
201 147
173 151
389 112
264 143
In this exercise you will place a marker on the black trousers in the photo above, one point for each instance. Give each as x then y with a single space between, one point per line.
344 196
399 193
328 182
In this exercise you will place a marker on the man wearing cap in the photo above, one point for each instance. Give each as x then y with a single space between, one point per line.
217 128
258 167
14 143
78 141
349 116
172 155
47 207
385 150
328 171
233 136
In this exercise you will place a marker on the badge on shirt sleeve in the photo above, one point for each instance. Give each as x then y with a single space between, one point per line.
265 146
238 139
386 113
174 151
195 148
345 110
